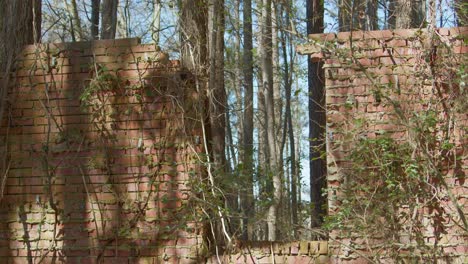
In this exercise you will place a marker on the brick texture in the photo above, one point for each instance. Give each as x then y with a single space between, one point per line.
106 181
106 177
388 60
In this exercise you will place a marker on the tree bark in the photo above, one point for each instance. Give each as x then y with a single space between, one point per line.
20 24
357 14
288 67
193 34
391 14
371 15
216 91
123 20
315 10
403 14
409 13
267 78
248 206
109 19
76 30
262 168
344 14
156 25
95 6
202 52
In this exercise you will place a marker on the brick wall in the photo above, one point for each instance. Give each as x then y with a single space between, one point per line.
104 146
102 143
364 72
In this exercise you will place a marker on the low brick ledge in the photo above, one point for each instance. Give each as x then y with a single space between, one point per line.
276 252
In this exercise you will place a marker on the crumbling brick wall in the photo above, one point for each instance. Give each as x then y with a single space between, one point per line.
102 143
103 151
360 69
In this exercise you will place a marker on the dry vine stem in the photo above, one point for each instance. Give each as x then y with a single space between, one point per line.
208 164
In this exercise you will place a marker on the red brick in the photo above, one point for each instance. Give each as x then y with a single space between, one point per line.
460 49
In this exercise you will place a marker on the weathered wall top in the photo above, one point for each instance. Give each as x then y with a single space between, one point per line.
381 39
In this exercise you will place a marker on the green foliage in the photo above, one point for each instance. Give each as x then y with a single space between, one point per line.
104 81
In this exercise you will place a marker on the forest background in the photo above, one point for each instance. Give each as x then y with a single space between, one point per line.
266 103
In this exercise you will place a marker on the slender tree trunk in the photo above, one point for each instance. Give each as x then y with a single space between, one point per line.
344 14
315 10
267 77
248 205
432 13
277 123
289 129
76 30
216 91
95 6
262 168
277 96
299 155
409 13
418 14
109 19
357 14
156 25
123 20
391 14
403 14
371 15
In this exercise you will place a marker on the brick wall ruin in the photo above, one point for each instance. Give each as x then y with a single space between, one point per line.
377 84
104 149
102 142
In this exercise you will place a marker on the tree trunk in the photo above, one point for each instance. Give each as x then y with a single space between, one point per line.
202 52
156 25
344 14
95 6
109 19
403 14
248 206
76 31
289 128
371 15
20 24
267 78
193 34
123 20
262 169
277 96
409 13
216 91
317 124
391 14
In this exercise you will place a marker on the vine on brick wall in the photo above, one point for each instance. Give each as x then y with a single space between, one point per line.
99 99
399 190
109 101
